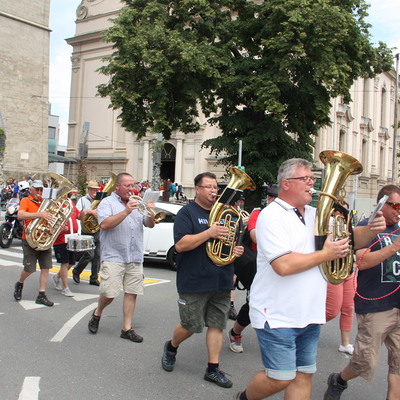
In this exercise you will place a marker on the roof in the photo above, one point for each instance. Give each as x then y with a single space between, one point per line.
62 159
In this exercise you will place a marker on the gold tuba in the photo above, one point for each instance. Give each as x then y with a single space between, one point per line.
221 251
89 223
338 167
40 233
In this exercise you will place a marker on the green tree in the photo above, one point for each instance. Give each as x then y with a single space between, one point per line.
263 72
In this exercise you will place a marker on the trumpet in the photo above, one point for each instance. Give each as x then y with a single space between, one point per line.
147 211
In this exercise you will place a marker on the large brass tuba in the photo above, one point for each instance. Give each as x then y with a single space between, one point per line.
89 223
40 233
338 167
221 251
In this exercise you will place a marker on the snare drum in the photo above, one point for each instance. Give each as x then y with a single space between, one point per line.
80 243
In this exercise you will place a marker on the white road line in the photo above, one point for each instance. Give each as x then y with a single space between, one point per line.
30 388
60 335
6 263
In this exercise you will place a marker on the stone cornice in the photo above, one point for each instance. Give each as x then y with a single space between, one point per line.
25 21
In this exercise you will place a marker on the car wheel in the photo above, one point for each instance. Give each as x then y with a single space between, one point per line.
171 258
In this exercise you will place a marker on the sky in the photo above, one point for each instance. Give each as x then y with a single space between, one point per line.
384 16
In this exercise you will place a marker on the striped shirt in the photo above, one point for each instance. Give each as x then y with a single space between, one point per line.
124 243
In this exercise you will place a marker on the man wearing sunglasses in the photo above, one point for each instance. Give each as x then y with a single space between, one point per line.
28 211
377 304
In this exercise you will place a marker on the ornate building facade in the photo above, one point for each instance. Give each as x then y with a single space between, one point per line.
363 128
24 85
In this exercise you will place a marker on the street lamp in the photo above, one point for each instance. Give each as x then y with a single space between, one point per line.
394 169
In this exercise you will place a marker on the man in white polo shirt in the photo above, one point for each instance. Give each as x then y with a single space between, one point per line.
288 294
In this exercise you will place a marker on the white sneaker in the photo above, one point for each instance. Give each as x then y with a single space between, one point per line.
67 292
57 283
349 349
235 342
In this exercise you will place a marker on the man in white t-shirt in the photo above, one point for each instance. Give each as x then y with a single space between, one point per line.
287 297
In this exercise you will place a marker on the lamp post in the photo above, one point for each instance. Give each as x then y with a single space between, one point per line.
394 169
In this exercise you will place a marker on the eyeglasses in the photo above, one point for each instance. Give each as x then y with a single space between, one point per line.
127 186
305 179
208 187
395 206
38 189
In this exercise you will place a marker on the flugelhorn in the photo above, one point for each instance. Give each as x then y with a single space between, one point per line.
147 211
338 168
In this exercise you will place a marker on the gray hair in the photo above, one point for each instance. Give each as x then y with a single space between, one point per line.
287 168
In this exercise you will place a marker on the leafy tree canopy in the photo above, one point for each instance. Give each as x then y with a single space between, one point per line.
257 69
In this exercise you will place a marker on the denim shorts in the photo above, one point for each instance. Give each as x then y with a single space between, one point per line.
287 350
210 309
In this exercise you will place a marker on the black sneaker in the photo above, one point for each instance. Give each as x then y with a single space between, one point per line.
335 389
93 324
218 377
18 291
75 276
42 299
168 359
232 314
131 335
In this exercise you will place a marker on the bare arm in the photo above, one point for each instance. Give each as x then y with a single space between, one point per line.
25 215
298 262
365 234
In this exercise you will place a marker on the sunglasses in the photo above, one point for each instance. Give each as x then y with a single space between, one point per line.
395 206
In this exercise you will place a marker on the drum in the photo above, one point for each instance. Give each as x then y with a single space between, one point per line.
80 243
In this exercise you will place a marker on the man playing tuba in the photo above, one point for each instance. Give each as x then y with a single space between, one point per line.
28 211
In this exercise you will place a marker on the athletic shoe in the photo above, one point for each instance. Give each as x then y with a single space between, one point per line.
335 389
67 292
349 349
93 324
232 314
237 396
235 342
168 358
218 377
131 335
18 291
42 299
57 283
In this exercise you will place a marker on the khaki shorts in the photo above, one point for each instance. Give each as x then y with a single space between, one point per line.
197 310
115 275
32 256
374 329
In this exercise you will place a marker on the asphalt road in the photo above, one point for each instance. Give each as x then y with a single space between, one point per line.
48 353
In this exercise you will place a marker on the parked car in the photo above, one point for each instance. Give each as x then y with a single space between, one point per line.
159 241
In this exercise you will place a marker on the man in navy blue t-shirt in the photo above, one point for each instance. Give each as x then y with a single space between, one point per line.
204 288
377 304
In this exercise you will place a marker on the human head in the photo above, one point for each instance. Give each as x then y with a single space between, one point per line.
288 168
36 189
206 189
391 209
92 188
124 185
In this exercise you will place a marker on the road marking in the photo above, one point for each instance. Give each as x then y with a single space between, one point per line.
60 335
6 263
30 388
31 304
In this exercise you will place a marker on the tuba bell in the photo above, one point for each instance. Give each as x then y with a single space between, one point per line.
89 223
40 233
338 167
221 251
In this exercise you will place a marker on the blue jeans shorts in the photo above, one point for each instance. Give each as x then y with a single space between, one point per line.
285 351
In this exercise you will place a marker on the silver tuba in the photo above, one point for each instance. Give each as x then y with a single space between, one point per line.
40 233
338 167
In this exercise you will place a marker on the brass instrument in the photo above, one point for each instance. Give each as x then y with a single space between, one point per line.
221 251
147 211
338 167
40 233
89 222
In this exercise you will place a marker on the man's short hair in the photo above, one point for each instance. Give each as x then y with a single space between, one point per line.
199 177
388 190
